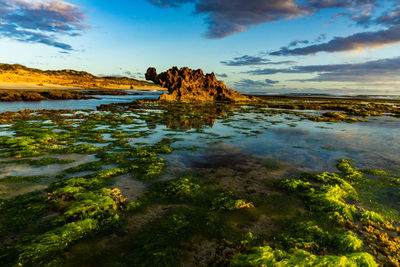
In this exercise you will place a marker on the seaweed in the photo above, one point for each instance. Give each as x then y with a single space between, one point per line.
266 256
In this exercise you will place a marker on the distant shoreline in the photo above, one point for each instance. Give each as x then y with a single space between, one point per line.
372 98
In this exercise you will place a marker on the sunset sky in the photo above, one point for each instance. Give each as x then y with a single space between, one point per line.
326 46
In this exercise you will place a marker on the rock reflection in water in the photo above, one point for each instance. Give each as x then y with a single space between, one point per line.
176 115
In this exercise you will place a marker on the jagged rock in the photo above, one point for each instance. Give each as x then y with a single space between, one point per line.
192 85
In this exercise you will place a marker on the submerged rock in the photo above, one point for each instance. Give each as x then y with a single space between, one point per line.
192 85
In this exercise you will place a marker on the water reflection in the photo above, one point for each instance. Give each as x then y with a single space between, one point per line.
288 138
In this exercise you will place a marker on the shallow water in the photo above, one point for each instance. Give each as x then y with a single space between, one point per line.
243 151
311 145
77 104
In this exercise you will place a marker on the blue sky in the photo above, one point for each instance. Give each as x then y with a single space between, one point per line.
325 46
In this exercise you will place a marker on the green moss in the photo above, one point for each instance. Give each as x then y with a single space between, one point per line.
21 147
227 201
69 188
181 189
309 236
20 179
371 216
349 242
104 174
95 204
48 246
350 173
79 149
19 212
157 244
391 180
376 172
90 212
133 205
272 164
266 256
329 198
78 207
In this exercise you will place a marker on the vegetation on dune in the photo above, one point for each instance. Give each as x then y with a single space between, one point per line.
77 79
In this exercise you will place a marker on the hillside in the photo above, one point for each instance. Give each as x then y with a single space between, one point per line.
18 76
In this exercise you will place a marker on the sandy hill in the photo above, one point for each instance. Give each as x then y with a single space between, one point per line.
18 76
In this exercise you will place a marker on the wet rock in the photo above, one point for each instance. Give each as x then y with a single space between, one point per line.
189 85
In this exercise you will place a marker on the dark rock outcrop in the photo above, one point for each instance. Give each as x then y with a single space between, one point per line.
192 85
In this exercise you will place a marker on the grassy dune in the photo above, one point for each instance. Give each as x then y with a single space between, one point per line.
21 77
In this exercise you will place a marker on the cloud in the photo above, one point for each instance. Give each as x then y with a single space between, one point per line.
298 42
248 83
322 4
41 21
253 61
169 3
268 81
365 72
246 61
221 75
388 33
227 17
320 38
267 71
358 41
390 17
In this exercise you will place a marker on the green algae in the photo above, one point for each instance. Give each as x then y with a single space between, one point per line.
266 256
228 201
20 212
90 212
79 149
39 162
335 198
19 179
85 205
391 181
44 249
376 172
272 164
86 208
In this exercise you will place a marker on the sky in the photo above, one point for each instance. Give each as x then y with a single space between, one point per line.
273 46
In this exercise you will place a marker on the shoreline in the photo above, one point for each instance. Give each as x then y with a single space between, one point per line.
372 98
35 95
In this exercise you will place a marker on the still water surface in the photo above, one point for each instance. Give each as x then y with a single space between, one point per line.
307 145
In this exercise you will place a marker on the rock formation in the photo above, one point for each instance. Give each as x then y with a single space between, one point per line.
192 85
